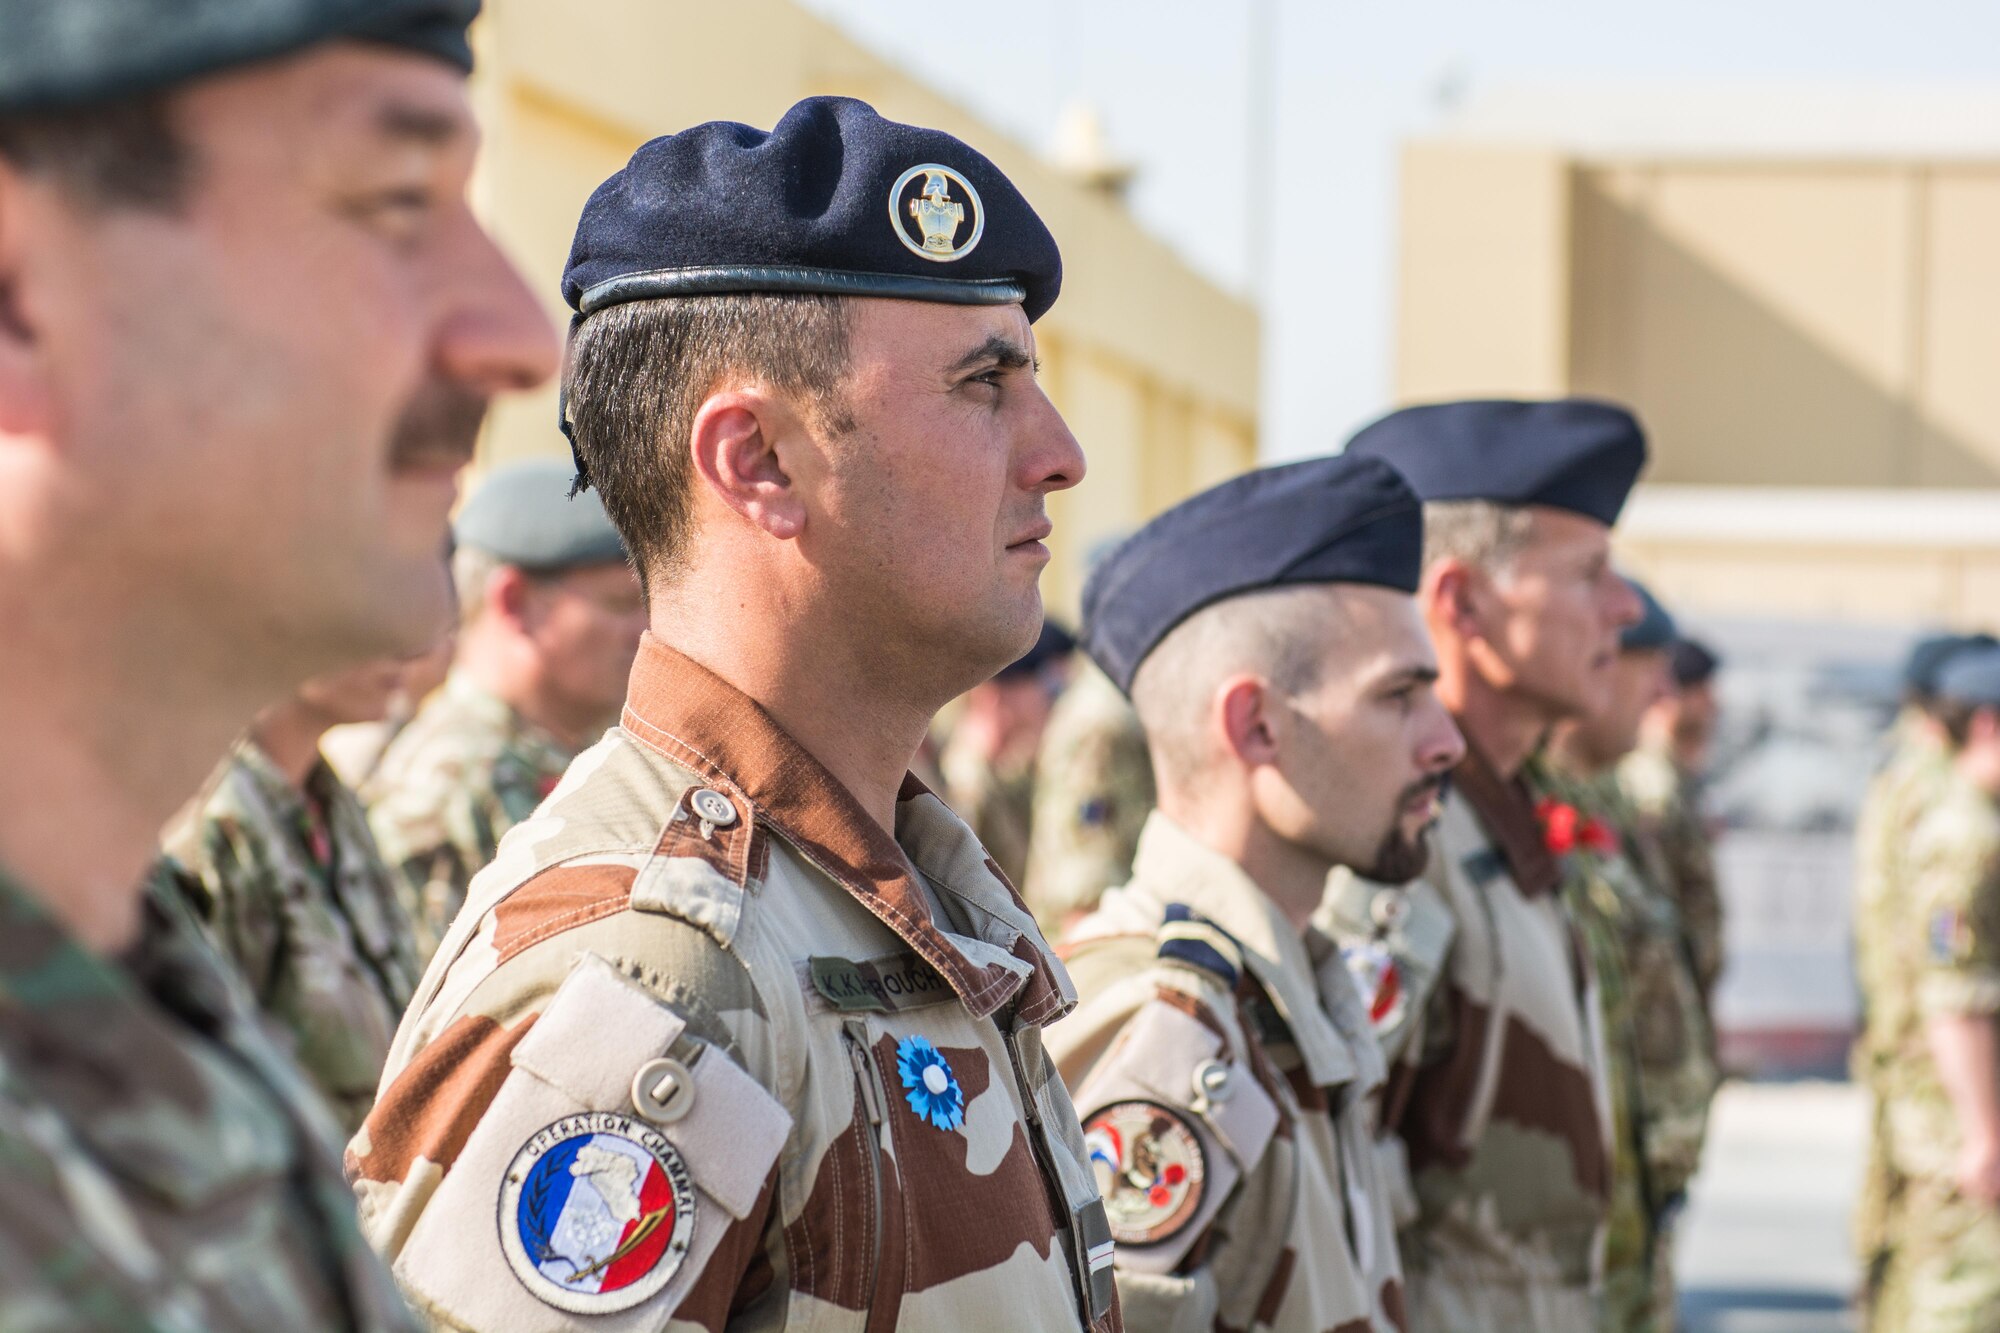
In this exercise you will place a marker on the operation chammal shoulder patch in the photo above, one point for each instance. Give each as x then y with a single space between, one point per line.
596 1213
1149 1167
937 213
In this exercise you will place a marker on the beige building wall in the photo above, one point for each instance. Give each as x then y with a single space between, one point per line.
1155 368
1819 325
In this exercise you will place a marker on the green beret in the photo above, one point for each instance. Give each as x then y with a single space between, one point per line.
523 514
66 53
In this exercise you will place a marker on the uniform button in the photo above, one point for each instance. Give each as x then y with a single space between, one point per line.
1211 1081
663 1090
712 807
1388 909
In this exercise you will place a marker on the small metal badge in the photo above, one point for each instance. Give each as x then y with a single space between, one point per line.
940 206
712 808
1387 908
663 1090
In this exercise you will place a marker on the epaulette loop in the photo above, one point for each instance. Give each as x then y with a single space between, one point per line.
1191 938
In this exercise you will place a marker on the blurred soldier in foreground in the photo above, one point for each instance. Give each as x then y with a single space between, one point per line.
550 616
1662 780
989 762
248 329
278 859
1658 1047
1497 1078
1940 1079
741 1027
1221 1057
1911 782
1093 792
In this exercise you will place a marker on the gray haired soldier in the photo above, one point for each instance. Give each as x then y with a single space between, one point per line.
742 1027
248 330
1483 989
1221 1056
549 619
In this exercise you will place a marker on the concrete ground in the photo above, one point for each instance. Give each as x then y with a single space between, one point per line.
1764 1242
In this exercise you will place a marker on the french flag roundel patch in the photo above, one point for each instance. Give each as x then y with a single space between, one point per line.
596 1213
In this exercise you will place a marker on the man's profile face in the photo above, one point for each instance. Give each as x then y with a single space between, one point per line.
586 624
932 522
1639 679
272 387
1552 616
1366 749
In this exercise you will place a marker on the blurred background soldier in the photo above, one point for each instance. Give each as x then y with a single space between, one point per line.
989 762
1497 1086
1657 1037
280 864
1940 1026
355 749
1916 774
550 618
249 329
1662 779
1093 791
1222 1060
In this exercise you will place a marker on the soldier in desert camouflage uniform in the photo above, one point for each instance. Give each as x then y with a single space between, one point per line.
278 859
1497 1093
1663 1075
248 328
1911 782
1941 1030
741 1028
989 762
549 619
1093 791
1221 1056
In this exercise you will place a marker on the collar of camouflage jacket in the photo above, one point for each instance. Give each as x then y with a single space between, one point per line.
1506 810
1172 867
973 928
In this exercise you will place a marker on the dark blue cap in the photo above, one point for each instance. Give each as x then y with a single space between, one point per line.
835 199
1569 453
523 514
65 53
1325 520
1929 654
1655 628
1971 676
1693 662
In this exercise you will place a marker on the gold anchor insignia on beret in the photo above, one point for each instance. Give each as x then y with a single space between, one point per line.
940 208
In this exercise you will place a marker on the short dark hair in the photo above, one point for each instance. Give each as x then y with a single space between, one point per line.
638 372
126 153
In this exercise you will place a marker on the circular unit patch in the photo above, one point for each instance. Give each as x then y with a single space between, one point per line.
596 1213
936 213
1149 1167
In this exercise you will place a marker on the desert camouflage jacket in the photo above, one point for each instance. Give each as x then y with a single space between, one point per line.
1667 818
1224 1065
465 770
1093 791
163 1166
291 886
718 1051
1497 1090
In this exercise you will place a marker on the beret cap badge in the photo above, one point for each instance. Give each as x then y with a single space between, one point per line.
941 203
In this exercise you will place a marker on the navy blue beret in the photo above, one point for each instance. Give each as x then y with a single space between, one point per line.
1929 654
835 199
1052 645
1971 676
63 53
1655 628
1325 520
1569 453
1693 662
522 514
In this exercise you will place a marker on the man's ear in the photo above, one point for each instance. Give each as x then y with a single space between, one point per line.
510 597
735 447
1242 712
26 404
1448 594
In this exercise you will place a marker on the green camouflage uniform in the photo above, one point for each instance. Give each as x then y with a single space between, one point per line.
1917 773
1943 1270
1093 791
1667 817
998 803
289 883
163 1167
1485 1002
465 770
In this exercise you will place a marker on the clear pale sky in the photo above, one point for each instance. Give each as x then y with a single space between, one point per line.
1172 79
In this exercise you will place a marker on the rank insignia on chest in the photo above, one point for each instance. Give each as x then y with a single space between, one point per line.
596 1213
1149 1167
929 1086
1378 979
